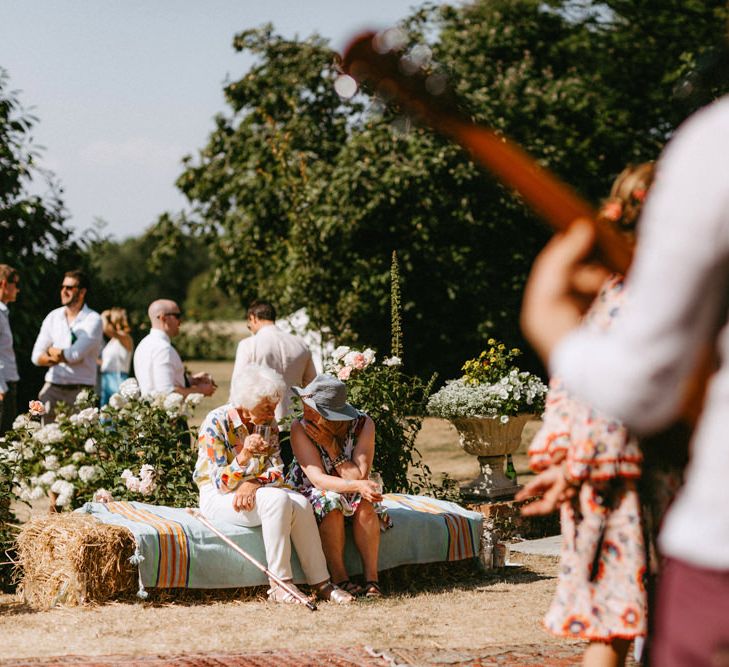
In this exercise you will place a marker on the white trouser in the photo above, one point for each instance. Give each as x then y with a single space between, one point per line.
285 516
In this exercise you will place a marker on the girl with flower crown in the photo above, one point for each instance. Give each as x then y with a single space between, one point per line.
602 591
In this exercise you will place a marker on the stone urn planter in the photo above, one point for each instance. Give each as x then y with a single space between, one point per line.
490 441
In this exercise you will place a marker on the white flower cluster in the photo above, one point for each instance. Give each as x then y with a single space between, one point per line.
64 491
49 434
173 403
514 393
85 416
146 482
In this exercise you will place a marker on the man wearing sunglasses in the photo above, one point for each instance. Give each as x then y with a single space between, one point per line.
157 365
68 344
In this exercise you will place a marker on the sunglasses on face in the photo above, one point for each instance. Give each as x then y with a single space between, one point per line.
70 288
177 316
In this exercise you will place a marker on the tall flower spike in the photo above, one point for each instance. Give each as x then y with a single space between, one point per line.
395 309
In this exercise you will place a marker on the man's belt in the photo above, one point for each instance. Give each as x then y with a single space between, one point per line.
71 386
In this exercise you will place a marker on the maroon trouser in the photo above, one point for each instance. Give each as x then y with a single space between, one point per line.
692 617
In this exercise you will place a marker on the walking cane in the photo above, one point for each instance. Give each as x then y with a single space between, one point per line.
280 582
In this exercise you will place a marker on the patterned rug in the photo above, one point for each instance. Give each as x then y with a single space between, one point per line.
526 655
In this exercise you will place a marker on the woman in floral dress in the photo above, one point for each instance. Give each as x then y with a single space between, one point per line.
334 445
601 595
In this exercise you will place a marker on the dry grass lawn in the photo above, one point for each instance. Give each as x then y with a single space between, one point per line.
502 608
474 610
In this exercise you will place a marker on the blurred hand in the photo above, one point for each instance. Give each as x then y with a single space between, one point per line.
55 355
369 490
245 496
552 486
204 378
320 434
561 287
204 388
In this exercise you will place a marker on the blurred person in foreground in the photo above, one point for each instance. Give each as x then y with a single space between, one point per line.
639 370
334 446
602 591
240 477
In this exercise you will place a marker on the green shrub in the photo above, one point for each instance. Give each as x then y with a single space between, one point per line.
135 448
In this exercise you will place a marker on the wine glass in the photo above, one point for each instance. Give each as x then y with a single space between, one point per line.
377 479
266 432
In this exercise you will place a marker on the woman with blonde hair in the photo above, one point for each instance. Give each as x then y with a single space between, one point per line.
602 591
116 356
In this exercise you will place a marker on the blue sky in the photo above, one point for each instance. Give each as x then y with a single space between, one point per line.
124 88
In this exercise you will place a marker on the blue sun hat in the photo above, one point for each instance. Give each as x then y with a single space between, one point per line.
328 396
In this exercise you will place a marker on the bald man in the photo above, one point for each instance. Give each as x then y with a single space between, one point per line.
157 365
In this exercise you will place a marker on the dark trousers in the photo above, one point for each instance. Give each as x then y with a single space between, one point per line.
9 407
692 617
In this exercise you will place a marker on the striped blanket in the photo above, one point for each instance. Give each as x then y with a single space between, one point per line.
175 550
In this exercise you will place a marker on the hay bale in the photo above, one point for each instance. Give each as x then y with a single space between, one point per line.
74 559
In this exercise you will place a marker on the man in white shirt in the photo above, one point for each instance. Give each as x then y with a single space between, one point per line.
639 370
157 365
285 353
9 288
68 343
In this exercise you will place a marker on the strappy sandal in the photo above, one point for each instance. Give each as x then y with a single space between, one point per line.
350 587
372 590
333 593
278 594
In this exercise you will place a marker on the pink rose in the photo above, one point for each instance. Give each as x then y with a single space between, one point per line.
344 373
359 361
36 408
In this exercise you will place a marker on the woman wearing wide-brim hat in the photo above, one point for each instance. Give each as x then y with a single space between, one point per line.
334 446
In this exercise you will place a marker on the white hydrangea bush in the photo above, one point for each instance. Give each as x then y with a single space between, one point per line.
90 453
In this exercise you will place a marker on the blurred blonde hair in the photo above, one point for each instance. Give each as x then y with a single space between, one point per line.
627 195
117 318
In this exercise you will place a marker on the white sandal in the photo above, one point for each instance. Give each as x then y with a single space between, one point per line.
279 594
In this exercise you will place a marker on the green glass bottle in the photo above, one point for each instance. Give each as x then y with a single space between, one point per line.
510 469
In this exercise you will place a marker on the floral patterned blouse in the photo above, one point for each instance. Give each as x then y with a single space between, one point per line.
595 446
220 438
324 502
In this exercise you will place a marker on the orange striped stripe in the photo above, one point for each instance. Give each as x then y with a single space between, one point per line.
175 546
460 539
173 551
177 549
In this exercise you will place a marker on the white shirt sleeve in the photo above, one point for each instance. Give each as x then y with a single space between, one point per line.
637 372
43 341
88 334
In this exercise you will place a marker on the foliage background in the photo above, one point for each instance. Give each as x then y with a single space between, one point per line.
301 197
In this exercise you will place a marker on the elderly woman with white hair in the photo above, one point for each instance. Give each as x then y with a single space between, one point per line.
239 476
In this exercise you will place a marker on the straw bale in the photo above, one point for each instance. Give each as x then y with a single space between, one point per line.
73 559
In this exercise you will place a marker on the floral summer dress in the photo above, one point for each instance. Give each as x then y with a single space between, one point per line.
324 502
601 592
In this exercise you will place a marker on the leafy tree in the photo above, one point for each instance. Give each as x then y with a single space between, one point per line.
304 196
161 263
33 235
